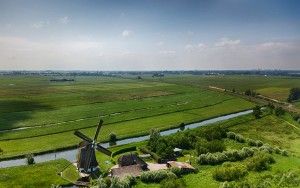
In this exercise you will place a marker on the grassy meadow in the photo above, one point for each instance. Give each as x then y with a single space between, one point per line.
53 110
271 86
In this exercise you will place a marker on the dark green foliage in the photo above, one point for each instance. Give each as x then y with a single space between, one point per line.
112 139
156 176
294 94
260 162
256 143
1 150
164 150
213 133
154 139
229 172
237 137
172 183
279 111
30 159
201 150
182 126
203 146
250 92
124 150
126 182
257 112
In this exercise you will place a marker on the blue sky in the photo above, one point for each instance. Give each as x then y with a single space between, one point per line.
149 35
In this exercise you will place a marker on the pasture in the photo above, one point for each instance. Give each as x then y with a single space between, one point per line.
271 86
48 112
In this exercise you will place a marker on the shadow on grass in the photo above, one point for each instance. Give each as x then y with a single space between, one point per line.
14 111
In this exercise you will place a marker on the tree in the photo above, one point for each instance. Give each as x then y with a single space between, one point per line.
279 111
257 112
153 141
112 139
294 94
182 126
30 159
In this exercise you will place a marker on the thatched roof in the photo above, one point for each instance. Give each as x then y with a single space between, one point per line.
133 170
131 159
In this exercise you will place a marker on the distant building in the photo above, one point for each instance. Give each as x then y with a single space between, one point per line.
186 167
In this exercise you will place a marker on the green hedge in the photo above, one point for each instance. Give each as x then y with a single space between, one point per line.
124 150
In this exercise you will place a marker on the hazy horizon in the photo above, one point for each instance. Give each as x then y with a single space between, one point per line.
149 35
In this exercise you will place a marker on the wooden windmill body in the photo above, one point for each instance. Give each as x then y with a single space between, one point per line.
86 158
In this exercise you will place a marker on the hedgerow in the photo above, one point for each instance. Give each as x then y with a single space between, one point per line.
156 176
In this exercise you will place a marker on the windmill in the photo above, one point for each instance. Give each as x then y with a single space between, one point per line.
87 164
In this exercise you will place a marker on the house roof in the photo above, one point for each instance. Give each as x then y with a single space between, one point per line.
134 170
130 159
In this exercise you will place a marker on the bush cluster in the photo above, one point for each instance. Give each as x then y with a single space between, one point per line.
114 182
156 176
260 161
172 183
282 179
229 172
269 149
30 159
123 150
256 143
233 155
203 146
237 137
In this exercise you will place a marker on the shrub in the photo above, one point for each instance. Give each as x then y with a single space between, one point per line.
156 176
172 183
30 159
256 143
260 162
214 133
215 146
126 182
201 150
284 153
257 112
232 155
237 137
124 150
266 148
229 172
153 141
112 139
279 111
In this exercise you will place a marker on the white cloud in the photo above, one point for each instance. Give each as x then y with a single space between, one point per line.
193 47
167 52
39 24
160 43
64 20
127 33
227 42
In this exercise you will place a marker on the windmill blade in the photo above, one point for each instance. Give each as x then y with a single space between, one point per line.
103 150
98 129
82 136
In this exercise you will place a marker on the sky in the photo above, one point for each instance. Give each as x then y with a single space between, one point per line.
149 35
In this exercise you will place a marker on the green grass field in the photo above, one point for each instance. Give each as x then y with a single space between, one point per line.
270 86
55 110
38 175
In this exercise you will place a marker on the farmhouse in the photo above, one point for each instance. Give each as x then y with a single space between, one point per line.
186 167
129 164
